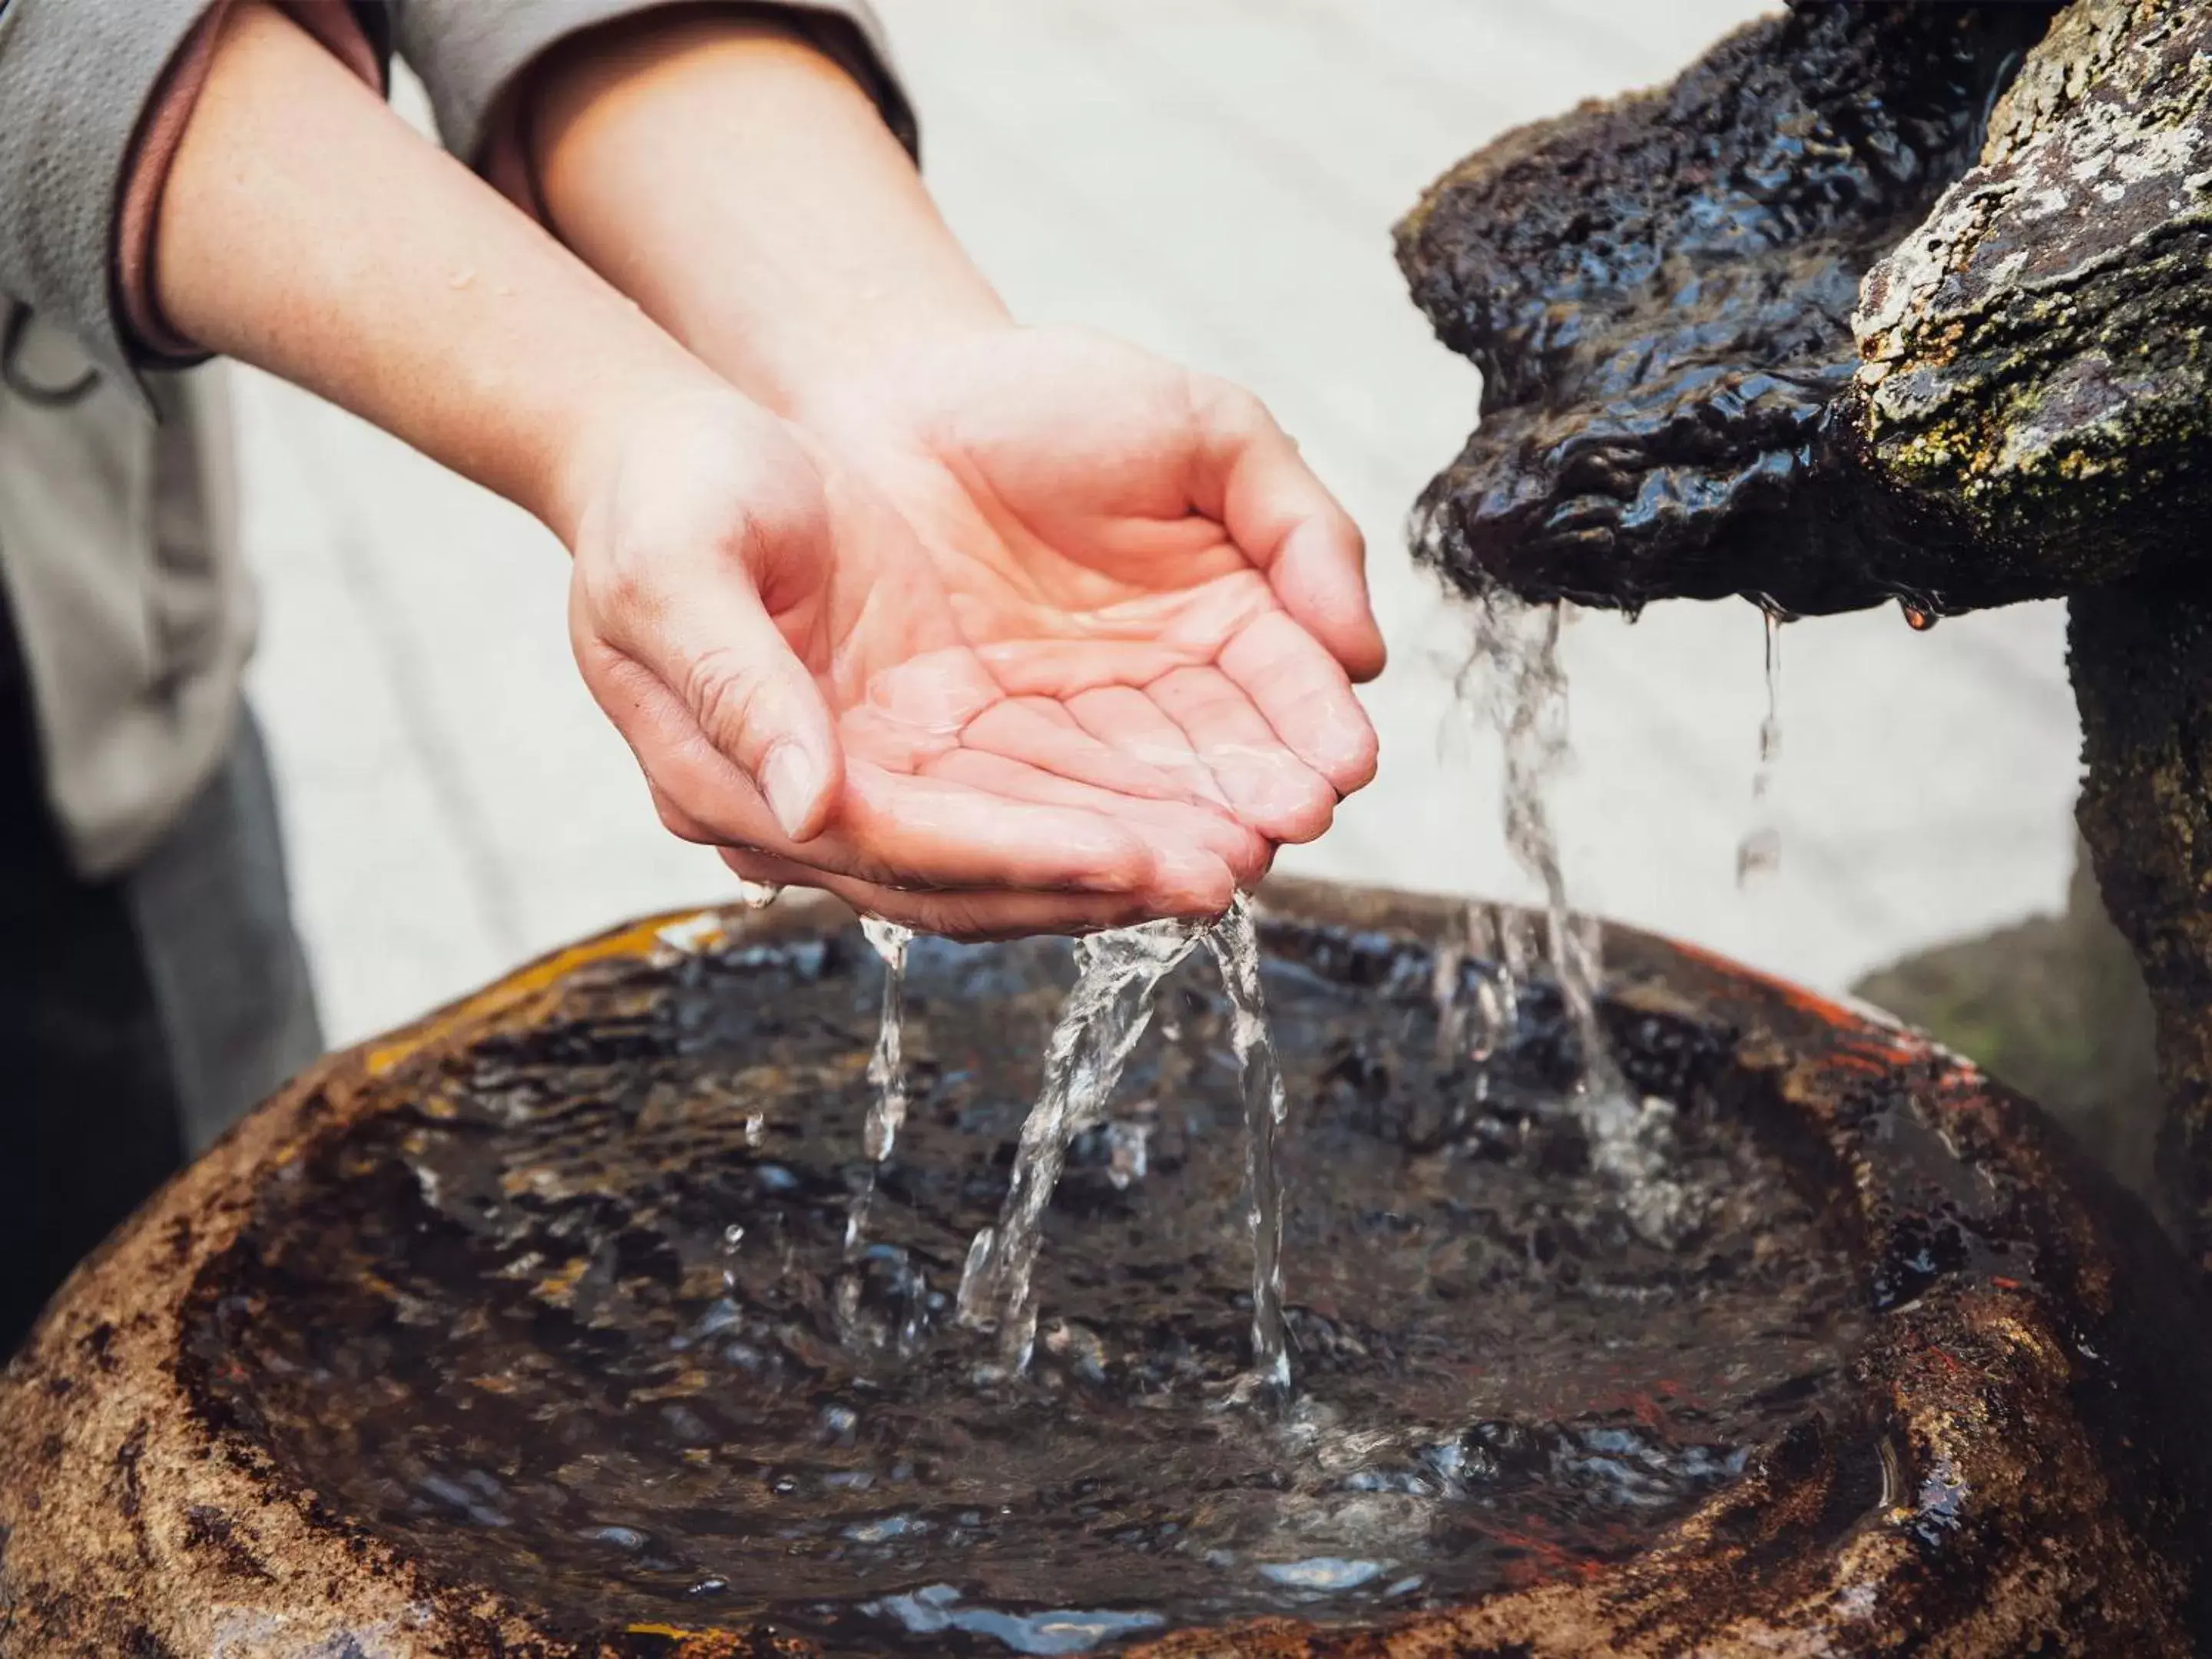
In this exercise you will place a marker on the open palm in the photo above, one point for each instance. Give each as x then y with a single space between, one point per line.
1031 631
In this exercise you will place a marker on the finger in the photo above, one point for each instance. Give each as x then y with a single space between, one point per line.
889 827
972 916
744 689
1130 722
1287 522
955 836
1043 733
1063 667
1201 854
1304 694
700 792
1269 787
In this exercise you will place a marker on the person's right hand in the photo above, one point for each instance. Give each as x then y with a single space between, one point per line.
780 654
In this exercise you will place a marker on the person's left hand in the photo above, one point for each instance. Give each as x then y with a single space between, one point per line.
1125 541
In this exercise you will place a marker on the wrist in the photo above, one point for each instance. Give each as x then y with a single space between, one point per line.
740 185
643 409
838 379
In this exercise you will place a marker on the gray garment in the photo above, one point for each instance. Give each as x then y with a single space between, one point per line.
230 983
75 78
118 540
470 51
118 549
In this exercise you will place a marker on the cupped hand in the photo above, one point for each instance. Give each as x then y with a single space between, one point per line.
1028 632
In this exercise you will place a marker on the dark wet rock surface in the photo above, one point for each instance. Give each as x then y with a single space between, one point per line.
1690 392
1659 292
507 1327
2142 660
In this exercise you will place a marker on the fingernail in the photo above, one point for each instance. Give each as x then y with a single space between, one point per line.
1350 750
791 778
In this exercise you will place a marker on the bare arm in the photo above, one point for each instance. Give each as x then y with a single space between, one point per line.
305 229
744 190
1136 555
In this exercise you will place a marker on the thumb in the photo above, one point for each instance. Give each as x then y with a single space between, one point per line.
721 654
757 703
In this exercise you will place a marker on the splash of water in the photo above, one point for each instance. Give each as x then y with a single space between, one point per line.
887 1069
1234 944
1117 983
733 1239
1474 1022
1760 853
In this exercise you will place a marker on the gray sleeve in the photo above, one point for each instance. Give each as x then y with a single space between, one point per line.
75 79
470 51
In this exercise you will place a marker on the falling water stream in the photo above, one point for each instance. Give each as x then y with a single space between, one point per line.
1234 944
1760 853
1118 977
1514 678
886 1070
1117 984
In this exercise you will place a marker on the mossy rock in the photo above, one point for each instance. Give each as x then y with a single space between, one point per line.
2055 1006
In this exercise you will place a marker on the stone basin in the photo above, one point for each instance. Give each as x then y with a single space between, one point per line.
231 1434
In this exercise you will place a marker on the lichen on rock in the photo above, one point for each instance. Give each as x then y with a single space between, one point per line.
2036 377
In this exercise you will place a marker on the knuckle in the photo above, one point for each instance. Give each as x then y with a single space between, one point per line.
960 919
725 694
1225 406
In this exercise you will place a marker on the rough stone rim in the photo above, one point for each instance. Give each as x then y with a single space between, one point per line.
127 1527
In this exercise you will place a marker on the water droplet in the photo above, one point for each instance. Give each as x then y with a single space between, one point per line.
1918 619
757 1129
1759 853
758 895
1127 1152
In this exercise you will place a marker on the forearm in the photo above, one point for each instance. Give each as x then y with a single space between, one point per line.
305 229
746 194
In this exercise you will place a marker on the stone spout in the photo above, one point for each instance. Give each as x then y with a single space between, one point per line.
1907 301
